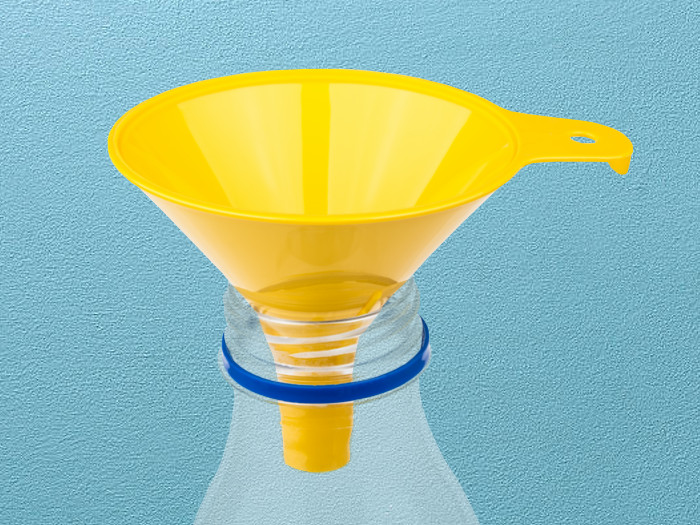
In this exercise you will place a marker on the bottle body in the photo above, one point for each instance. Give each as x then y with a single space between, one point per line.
396 474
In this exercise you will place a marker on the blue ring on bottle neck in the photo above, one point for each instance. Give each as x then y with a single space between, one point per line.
329 394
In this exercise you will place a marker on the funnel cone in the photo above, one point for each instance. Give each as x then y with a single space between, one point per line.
317 193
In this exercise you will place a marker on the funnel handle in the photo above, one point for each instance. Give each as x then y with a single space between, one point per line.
551 139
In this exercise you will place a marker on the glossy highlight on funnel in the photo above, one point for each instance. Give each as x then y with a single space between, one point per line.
318 193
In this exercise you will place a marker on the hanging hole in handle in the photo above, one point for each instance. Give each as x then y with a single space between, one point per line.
583 139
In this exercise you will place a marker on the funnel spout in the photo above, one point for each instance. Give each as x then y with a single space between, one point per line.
315 438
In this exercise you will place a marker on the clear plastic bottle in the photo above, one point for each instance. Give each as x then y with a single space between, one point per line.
396 473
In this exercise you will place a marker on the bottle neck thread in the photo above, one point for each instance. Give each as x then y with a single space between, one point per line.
325 352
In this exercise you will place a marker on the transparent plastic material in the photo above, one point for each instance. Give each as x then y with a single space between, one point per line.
384 340
396 473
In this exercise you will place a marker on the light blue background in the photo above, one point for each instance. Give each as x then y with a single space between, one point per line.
565 381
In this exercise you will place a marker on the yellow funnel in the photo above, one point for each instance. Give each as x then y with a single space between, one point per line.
317 193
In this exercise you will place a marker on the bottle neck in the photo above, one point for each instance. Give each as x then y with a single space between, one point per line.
324 352
316 433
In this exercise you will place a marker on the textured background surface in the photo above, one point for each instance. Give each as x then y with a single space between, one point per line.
564 387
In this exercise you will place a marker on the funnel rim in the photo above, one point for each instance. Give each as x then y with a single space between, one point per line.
354 76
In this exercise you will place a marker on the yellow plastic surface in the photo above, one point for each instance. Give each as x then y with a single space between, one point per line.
317 193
